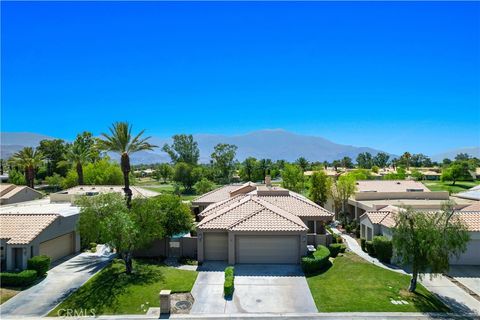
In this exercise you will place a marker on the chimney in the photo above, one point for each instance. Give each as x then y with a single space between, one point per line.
268 181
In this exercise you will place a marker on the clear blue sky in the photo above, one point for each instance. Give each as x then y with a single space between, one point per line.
391 75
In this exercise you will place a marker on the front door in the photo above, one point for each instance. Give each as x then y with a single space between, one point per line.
18 258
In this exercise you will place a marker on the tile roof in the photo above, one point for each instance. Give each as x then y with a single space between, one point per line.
471 219
8 190
385 218
23 228
252 213
473 207
298 205
41 206
82 190
216 195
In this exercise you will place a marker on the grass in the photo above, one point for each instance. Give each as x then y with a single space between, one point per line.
352 284
7 293
447 185
111 291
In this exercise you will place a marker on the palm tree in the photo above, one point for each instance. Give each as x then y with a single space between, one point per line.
407 157
121 141
77 155
29 159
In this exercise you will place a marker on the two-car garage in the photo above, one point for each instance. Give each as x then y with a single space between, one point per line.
58 247
253 248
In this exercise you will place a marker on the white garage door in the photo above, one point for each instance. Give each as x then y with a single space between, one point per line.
471 256
58 248
215 246
267 249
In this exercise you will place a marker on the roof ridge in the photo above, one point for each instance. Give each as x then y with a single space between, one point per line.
212 191
217 204
223 211
288 215
307 201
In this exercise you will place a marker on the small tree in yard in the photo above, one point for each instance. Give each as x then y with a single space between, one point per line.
107 219
204 186
320 185
426 241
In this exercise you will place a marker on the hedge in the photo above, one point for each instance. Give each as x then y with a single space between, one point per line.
39 263
336 248
383 248
370 248
317 261
20 279
362 244
228 286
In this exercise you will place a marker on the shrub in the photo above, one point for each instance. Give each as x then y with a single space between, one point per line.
383 248
93 247
336 248
228 286
20 279
317 261
41 264
336 238
370 248
362 244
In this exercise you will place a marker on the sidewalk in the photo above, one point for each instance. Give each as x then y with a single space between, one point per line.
456 298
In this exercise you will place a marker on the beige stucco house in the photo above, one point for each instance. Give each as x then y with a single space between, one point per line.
37 228
10 193
259 224
381 222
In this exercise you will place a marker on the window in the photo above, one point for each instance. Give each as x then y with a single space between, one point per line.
311 226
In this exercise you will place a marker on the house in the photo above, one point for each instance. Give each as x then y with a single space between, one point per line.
260 224
69 195
10 193
381 222
472 194
37 227
372 195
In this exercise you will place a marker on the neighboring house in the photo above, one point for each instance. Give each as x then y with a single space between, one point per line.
259 224
37 228
381 222
373 195
69 195
10 193
472 194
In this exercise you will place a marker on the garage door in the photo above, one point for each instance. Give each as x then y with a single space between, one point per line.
471 256
267 249
58 247
215 246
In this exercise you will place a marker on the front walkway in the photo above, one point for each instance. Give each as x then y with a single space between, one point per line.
60 282
456 298
258 289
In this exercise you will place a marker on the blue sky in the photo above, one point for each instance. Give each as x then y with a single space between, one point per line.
390 75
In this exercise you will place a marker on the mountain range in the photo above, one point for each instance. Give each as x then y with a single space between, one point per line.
272 144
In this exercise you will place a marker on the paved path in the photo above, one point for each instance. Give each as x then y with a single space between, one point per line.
456 298
258 289
60 282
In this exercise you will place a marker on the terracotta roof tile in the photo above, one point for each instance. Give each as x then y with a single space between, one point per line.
473 207
23 228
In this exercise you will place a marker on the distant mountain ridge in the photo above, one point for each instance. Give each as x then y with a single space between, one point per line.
270 144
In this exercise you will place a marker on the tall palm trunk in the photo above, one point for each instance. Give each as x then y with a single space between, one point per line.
30 176
125 164
80 173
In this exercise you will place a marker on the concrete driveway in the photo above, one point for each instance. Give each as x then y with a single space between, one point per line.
60 282
469 276
258 289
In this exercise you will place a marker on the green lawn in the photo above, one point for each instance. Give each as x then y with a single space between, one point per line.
111 291
352 284
447 185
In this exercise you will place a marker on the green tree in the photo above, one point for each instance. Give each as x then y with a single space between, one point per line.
53 152
102 172
265 166
204 186
29 160
183 149
454 172
347 162
320 185
302 163
121 141
462 157
364 160
78 154
406 159
341 190
55 181
293 178
164 171
223 161
107 219
381 159
15 177
249 169
427 241
186 175
86 141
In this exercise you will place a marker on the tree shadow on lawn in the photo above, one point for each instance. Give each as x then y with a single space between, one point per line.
423 302
102 292
327 267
